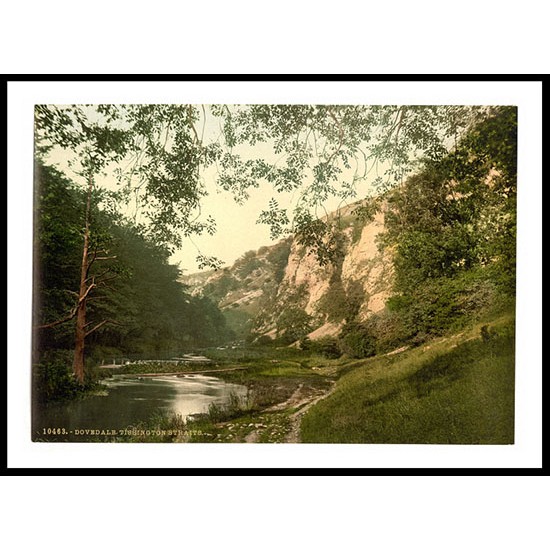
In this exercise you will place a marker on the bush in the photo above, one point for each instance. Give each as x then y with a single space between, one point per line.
357 341
293 324
342 303
263 340
327 347
53 377
438 305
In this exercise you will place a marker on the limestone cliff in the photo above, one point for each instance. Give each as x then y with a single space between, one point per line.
366 264
283 288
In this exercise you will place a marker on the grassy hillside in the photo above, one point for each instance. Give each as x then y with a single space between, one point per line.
458 389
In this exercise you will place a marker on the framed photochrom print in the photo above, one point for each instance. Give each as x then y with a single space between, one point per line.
274 273
283 274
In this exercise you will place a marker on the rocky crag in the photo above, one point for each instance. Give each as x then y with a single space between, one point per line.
282 290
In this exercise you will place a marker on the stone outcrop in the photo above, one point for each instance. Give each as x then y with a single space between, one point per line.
265 284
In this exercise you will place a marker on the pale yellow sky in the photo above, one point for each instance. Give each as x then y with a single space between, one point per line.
237 230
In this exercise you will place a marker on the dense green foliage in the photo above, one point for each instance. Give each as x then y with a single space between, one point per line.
356 340
454 227
53 379
293 324
147 311
452 230
327 347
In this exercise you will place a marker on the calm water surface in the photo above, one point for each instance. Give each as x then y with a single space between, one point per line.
130 401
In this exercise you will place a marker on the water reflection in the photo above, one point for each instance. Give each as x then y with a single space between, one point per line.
130 401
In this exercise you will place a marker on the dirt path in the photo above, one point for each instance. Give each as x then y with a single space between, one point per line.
302 400
296 417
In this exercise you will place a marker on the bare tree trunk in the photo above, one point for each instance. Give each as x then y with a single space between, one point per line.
80 334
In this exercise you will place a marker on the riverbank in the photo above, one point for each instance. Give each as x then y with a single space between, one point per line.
278 392
456 389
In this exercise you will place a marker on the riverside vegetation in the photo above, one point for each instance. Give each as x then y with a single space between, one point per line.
434 363
455 389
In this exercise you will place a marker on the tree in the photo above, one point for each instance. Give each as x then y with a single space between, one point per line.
154 314
161 153
158 152
293 324
95 146
357 340
452 226
326 151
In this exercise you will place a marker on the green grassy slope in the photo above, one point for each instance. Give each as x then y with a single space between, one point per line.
456 390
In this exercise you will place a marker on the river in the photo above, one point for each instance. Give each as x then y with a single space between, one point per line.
128 401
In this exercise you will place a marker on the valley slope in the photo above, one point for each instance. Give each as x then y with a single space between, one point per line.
282 291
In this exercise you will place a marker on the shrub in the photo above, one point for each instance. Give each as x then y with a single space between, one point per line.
53 377
387 330
437 305
327 347
263 340
293 324
357 341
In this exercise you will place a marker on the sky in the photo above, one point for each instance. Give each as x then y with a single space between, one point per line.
237 227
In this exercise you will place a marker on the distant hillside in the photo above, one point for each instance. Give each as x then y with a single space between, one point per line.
242 290
283 291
